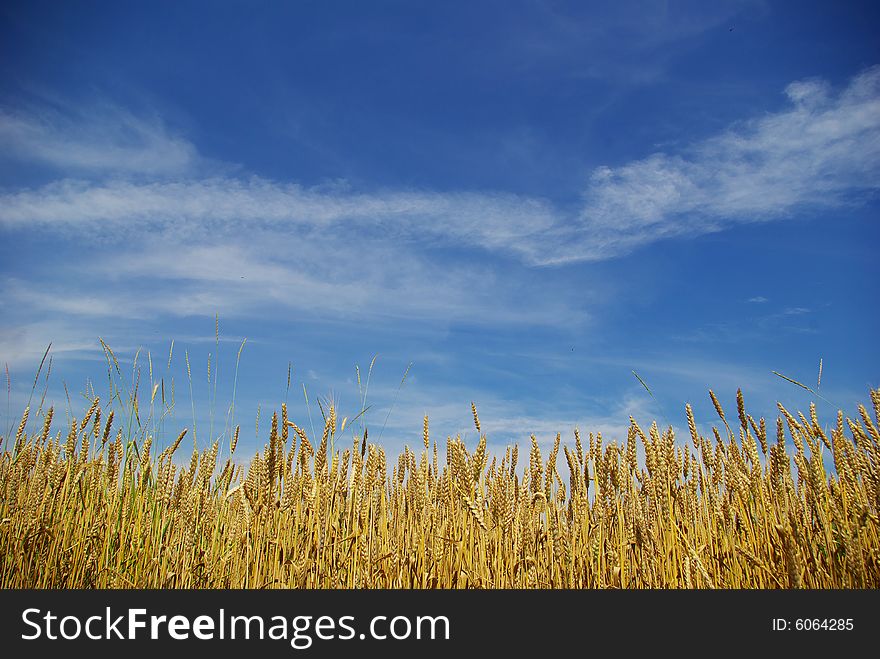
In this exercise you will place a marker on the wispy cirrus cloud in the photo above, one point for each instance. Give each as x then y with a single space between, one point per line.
173 244
822 150
314 277
24 344
193 208
105 139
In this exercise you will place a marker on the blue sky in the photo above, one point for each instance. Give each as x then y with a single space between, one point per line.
524 200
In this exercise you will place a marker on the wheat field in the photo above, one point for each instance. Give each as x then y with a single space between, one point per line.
85 507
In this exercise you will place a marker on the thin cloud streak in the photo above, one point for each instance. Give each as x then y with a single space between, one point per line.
313 278
191 209
107 139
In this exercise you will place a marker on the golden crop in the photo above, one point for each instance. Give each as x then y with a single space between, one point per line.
84 507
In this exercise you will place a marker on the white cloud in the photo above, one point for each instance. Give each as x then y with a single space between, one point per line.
759 299
23 345
104 139
821 151
165 242
195 209
253 273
